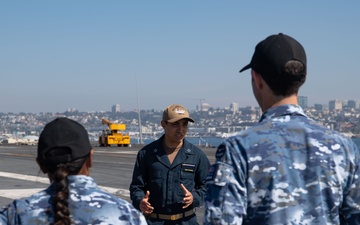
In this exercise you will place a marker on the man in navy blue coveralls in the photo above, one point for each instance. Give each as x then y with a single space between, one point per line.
169 174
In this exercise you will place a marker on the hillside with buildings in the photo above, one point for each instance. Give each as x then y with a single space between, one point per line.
340 115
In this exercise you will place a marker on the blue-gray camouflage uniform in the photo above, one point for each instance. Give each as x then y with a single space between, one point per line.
87 205
285 170
153 172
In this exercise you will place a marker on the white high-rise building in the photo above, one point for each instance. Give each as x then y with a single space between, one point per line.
234 107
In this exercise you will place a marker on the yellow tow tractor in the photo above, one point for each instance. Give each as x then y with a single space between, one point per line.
112 136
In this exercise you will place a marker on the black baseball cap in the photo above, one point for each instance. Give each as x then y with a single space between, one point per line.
274 52
65 136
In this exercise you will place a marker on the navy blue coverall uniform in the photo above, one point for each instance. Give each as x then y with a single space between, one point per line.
153 172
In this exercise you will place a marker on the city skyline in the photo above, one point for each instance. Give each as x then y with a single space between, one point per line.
198 107
90 55
116 107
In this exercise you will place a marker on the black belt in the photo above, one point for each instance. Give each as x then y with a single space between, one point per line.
173 216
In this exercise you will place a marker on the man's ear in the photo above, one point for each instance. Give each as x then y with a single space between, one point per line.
89 159
257 79
43 169
163 124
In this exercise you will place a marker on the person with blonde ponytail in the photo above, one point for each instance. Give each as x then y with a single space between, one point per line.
65 155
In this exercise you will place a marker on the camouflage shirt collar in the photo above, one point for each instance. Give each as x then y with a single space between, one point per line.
282 110
76 181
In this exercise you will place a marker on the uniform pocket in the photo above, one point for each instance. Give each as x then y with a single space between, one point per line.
187 171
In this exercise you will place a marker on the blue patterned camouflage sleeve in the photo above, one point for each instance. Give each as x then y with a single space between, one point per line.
225 200
87 204
27 211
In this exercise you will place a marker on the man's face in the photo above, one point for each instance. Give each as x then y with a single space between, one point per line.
176 131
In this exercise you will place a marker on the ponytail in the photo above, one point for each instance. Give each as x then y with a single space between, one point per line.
60 199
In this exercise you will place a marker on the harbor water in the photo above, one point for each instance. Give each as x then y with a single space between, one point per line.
216 141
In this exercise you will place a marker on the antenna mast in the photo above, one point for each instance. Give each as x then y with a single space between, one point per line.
137 98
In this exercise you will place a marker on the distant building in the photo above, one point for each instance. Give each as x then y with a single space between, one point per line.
234 107
354 104
318 106
344 103
335 104
115 108
204 107
321 107
71 110
303 101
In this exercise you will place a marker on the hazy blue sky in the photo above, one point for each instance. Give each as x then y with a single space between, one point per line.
91 55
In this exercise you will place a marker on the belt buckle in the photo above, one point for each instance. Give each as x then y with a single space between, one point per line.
174 217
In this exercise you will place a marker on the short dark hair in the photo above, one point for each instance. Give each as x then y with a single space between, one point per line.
288 81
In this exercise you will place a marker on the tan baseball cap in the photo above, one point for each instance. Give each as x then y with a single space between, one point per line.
176 112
